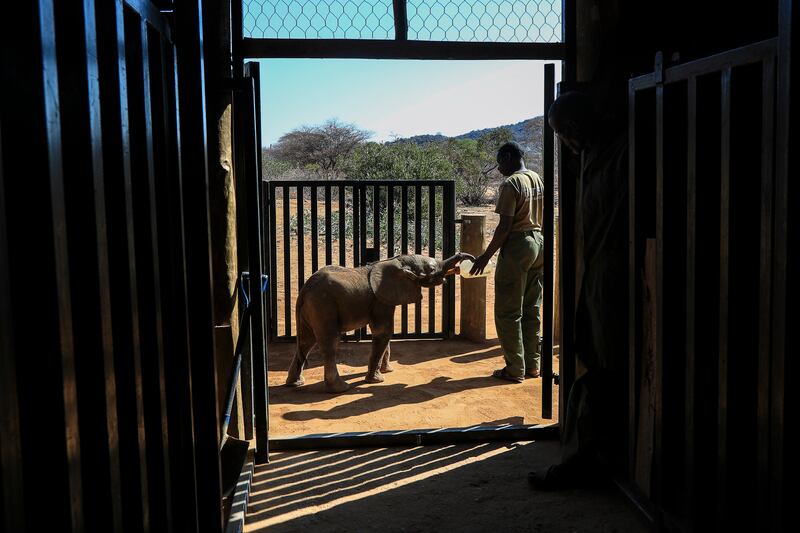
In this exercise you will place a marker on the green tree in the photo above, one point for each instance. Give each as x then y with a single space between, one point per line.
321 148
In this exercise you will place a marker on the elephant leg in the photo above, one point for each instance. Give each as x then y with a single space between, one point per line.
380 344
305 341
386 366
328 346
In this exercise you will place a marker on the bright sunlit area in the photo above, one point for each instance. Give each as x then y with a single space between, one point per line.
370 152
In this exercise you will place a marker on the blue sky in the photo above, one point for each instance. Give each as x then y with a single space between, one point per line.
403 98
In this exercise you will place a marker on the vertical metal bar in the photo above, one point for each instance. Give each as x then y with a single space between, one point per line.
724 241
357 235
123 258
287 266
446 318
404 248
180 408
633 281
432 253
273 244
690 323
376 220
390 221
301 245
314 230
765 283
784 162
193 150
449 243
659 303
66 357
548 155
150 304
362 227
328 249
89 273
260 398
418 249
567 198
342 227
237 36
11 483
362 217
400 20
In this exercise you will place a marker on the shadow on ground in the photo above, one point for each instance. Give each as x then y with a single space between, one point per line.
471 487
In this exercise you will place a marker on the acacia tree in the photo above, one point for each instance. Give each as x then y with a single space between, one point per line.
321 148
474 163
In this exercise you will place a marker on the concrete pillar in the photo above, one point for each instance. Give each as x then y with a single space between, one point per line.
473 291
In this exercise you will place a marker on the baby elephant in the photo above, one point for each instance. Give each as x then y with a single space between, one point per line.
337 299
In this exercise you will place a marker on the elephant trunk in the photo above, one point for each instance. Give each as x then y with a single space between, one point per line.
451 262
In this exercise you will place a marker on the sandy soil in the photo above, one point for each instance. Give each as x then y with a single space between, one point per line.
465 488
435 383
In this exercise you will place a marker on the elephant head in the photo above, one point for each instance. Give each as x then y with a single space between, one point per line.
399 280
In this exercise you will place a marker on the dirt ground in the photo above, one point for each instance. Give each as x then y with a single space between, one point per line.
435 383
478 487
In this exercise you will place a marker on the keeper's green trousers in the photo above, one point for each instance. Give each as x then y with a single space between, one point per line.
518 299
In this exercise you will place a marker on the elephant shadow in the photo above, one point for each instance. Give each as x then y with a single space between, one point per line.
384 396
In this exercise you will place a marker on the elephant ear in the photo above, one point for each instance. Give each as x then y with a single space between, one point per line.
393 284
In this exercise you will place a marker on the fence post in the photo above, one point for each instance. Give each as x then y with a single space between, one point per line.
473 291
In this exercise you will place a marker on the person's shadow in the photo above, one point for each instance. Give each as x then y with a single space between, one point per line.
386 396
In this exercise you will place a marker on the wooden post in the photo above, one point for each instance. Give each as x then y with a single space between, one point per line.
473 291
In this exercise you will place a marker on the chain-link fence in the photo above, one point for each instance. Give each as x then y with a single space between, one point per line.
512 21
509 21
318 19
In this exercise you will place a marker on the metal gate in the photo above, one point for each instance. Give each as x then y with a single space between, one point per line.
352 223
702 188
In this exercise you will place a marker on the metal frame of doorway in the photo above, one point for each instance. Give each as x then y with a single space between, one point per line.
402 48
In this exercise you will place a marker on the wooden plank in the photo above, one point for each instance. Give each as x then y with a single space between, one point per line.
690 321
473 291
724 240
548 154
391 49
644 434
